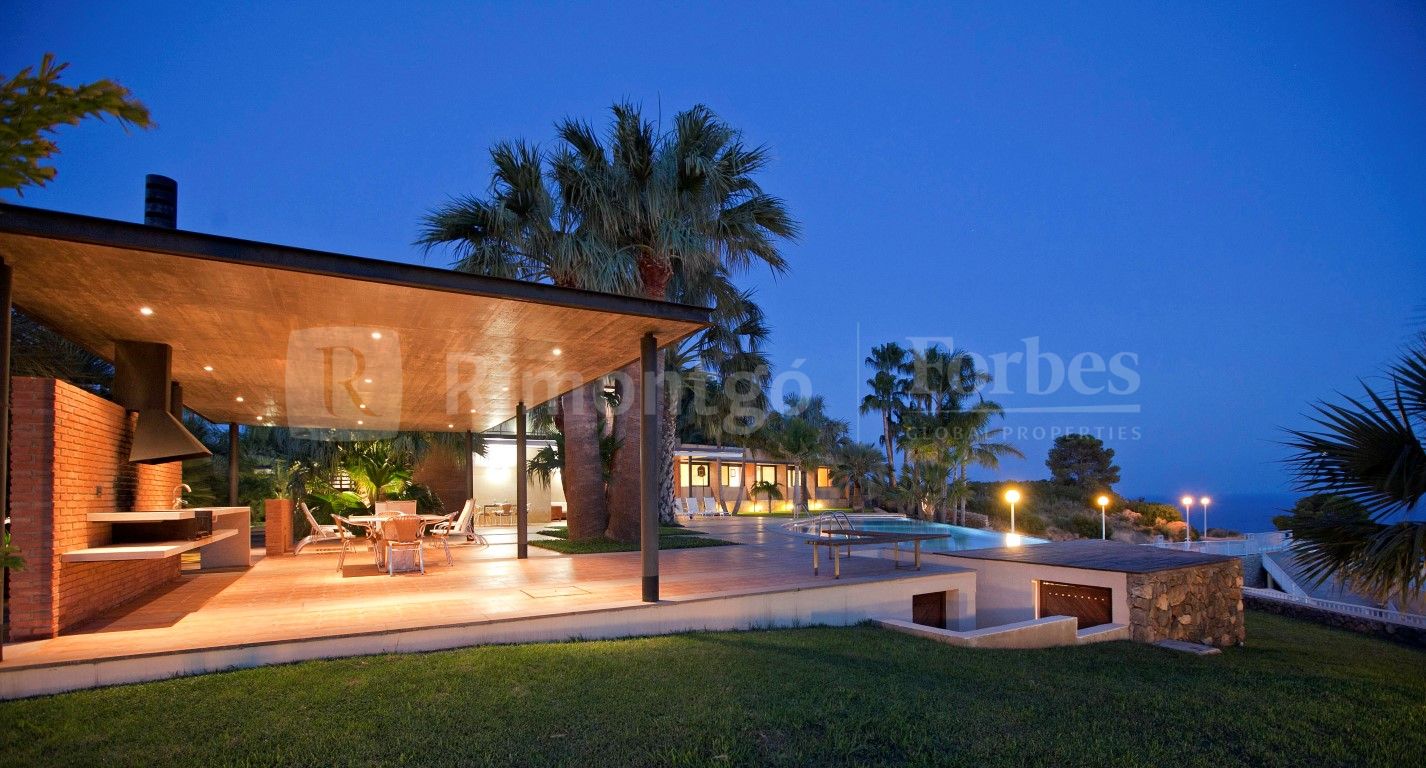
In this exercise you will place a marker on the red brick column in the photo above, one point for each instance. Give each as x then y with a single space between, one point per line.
69 457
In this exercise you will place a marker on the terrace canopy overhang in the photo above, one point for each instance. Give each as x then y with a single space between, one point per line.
265 334
275 335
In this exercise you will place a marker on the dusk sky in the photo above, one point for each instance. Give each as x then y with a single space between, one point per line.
1232 200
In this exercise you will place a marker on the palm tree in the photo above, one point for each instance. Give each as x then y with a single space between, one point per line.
769 491
527 231
976 443
1369 451
684 201
729 350
855 468
887 396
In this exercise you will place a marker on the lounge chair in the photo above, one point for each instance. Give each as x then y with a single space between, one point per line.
689 508
714 510
442 529
319 532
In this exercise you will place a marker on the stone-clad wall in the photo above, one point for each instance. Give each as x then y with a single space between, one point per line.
1201 604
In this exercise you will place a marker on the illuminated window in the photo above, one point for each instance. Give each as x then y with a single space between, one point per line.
824 477
683 473
767 473
732 475
699 474
794 477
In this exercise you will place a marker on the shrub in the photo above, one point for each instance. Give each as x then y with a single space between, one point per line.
1085 526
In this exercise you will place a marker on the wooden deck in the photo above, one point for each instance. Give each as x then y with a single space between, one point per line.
305 597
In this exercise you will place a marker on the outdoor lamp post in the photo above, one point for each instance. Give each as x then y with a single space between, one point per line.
1012 496
1187 502
1103 515
1205 501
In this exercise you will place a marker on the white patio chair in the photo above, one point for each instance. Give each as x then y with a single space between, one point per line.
463 523
319 532
714 510
687 505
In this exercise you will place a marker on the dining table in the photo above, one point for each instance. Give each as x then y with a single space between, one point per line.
372 523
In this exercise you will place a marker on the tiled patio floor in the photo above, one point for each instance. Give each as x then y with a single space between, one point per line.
300 597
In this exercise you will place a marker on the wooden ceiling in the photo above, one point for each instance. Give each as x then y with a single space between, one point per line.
308 338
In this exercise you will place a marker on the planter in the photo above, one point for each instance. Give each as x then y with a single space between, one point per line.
277 526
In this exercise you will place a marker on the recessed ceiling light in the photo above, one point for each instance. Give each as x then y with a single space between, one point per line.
556 352
239 398
504 389
360 422
367 380
259 418
146 311
208 368
450 426
376 334
361 406
472 410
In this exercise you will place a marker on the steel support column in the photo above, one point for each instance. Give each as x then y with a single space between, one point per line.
469 464
649 468
233 459
522 495
5 275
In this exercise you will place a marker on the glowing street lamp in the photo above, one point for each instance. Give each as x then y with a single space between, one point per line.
1103 526
1012 539
1187 502
1205 501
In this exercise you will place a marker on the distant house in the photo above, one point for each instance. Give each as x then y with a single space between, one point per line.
700 471
729 474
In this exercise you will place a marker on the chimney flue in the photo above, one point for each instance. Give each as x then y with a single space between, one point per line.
160 201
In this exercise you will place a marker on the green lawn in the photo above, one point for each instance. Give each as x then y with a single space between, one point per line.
670 537
1298 695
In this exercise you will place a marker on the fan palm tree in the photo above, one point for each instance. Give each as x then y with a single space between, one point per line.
680 202
1368 450
887 396
527 231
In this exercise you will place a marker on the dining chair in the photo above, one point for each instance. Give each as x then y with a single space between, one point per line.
403 533
347 537
507 510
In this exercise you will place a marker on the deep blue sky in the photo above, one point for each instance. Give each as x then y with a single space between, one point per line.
1235 195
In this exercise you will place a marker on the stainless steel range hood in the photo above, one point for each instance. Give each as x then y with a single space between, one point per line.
143 383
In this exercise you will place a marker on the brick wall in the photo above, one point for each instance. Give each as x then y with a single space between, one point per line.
69 452
1202 604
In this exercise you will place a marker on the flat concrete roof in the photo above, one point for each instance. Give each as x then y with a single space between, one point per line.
277 335
1096 555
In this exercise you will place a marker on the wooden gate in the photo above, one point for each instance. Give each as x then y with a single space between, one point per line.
1091 605
929 610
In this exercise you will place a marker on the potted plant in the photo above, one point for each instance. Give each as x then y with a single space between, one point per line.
10 560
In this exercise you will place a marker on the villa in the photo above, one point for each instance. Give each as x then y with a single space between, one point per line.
124 583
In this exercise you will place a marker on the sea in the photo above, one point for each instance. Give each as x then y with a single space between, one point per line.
1242 512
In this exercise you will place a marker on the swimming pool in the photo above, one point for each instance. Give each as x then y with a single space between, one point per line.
960 537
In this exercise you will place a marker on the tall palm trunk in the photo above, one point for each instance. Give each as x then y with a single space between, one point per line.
668 440
625 485
583 471
890 448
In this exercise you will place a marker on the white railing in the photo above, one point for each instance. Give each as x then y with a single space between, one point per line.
1249 544
1351 609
